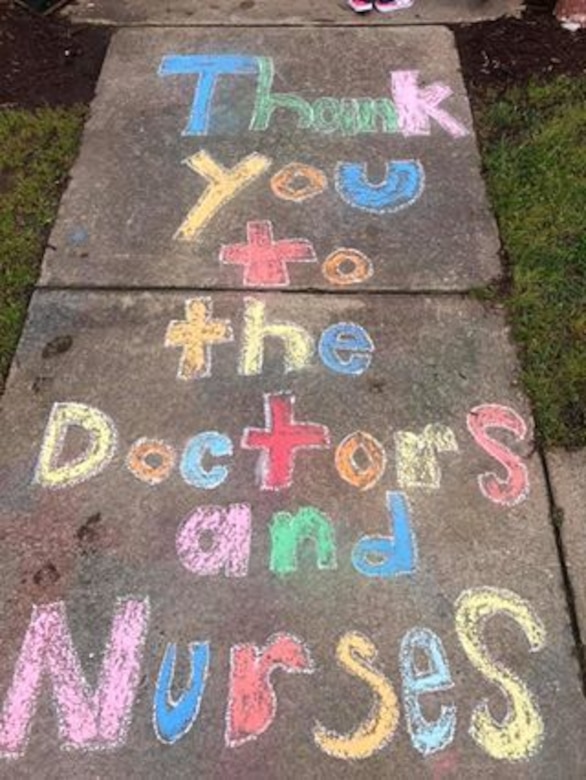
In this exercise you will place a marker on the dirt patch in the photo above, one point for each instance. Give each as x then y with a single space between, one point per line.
505 52
47 61
57 346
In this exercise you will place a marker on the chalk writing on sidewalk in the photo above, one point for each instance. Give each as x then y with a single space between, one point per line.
100 719
409 108
270 530
152 461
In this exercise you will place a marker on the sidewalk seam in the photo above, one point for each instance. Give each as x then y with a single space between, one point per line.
154 289
350 25
554 510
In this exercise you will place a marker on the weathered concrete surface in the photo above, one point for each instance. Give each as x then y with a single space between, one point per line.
567 471
131 191
261 12
114 536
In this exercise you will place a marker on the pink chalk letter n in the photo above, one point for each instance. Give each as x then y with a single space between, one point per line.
87 720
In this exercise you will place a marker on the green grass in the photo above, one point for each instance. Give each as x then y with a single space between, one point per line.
37 149
534 150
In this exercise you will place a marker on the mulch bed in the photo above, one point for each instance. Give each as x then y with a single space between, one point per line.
504 52
47 61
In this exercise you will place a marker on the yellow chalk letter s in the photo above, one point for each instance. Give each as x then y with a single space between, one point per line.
355 653
519 736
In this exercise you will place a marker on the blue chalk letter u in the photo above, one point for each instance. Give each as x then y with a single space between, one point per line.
173 719
403 184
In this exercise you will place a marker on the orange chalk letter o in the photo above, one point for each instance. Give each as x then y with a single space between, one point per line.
373 453
298 182
347 266
151 461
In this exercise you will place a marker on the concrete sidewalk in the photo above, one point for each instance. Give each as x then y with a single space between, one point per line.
114 228
271 504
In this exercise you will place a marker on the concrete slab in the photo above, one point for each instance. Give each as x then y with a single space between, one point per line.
84 541
405 191
263 12
567 470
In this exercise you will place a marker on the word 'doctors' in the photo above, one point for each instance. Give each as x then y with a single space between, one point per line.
271 514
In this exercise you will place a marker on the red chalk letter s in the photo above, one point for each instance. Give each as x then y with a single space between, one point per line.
515 488
252 702
87 720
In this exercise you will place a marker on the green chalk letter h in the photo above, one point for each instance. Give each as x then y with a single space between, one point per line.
267 101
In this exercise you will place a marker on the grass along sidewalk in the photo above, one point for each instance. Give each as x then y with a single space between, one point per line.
534 153
37 149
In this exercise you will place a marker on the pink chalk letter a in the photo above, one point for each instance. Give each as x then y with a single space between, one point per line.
229 551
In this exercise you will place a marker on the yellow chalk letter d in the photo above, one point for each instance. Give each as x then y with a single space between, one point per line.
519 736
355 653
98 453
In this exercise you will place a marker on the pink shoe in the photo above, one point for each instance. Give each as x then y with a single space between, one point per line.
387 6
361 6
